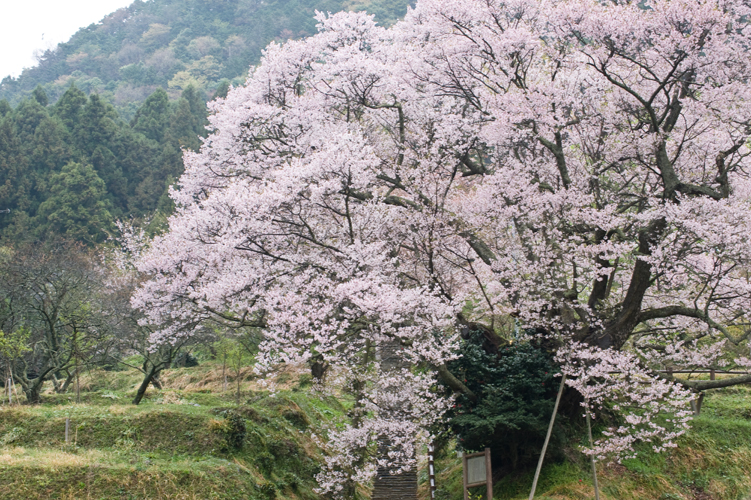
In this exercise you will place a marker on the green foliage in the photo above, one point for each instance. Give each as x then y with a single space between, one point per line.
70 169
152 64
68 108
152 119
709 462
14 344
40 96
221 90
232 429
387 12
76 207
515 395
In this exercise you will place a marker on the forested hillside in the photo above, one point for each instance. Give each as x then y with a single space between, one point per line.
94 133
173 44
71 168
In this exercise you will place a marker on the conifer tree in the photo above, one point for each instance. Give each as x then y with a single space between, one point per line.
14 186
40 96
70 105
77 207
152 119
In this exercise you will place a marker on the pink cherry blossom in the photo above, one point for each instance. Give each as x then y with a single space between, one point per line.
577 165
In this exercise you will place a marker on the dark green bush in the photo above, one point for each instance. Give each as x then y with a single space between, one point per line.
516 392
232 428
235 434
296 418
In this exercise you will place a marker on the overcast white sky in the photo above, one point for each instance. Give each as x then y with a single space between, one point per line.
27 25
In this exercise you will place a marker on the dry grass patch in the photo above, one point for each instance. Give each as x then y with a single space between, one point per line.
52 459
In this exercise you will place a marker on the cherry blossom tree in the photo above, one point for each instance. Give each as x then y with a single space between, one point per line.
580 166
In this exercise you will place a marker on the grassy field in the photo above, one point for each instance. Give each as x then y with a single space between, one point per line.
178 445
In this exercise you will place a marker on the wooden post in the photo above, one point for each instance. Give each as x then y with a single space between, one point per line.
78 385
592 457
431 470
488 474
464 475
67 430
699 402
712 375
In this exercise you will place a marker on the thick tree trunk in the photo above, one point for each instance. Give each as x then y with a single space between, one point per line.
32 388
68 381
33 391
620 329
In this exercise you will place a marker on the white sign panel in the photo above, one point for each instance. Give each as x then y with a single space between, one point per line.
476 472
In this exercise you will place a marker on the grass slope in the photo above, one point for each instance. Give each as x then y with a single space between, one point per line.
174 445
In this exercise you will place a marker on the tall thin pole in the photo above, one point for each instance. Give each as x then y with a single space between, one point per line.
78 383
465 479
431 470
547 438
592 457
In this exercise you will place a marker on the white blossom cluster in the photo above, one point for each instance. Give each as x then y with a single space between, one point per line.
579 166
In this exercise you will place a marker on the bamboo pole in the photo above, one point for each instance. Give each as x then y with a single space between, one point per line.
592 457
547 438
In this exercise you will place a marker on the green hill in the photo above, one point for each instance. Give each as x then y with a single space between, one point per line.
176 43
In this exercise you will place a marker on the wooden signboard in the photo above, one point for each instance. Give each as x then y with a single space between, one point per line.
477 472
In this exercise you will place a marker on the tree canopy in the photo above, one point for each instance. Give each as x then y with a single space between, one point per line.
574 168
